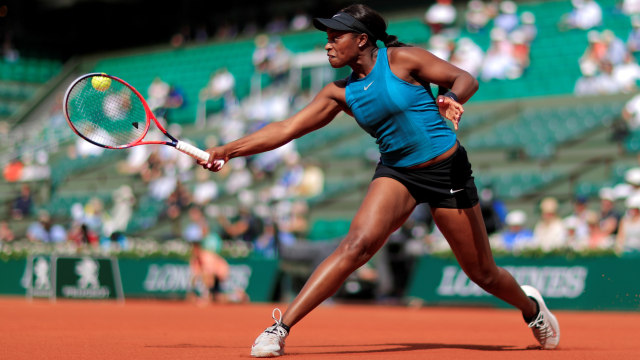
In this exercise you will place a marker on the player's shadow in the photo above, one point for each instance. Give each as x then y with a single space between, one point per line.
404 347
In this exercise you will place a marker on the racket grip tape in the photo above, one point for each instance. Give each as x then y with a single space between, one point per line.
196 153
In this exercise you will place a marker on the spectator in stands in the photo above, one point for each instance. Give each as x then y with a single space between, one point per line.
440 16
279 64
22 206
85 149
268 243
261 53
12 172
177 203
271 57
221 86
477 16
528 26
292 174
631 113
157 92
94 215
581 212
521 50
199 230
441 46
507 19
616 50
631 7
633 39
45 230
239 178
571 238
499 62
516 236
35 166
175 99
205 189
468 56
597 238
81 236
151 169
596 51
597 81
6 234
627 74
296 221
549 231
587 84
115 224
632 178
609 216
628 238
300 21
586 14
312 182
137 161
492 211
245 225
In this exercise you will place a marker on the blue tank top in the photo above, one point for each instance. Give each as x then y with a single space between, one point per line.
403 117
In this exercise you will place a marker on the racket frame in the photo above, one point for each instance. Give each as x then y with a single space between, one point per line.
180 145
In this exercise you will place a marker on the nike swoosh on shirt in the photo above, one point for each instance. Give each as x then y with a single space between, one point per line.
455 191
366 87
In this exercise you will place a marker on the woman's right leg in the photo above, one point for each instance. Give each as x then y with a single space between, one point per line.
385 207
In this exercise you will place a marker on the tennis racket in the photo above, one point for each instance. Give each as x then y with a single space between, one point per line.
108 112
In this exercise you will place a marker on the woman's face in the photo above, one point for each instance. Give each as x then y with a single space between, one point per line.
342 48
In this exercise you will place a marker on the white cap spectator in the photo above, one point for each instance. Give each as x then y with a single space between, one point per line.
633 201
607 193
516 218
632 176
622 191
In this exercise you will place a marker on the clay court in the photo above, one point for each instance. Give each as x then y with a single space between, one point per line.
181 330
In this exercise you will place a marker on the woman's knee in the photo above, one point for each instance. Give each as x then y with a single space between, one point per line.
485 276
358 247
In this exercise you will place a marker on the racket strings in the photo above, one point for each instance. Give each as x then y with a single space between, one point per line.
109 115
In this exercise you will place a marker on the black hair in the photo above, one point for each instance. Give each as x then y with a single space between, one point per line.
374 22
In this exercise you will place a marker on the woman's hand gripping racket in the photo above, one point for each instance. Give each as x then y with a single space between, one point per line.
108 112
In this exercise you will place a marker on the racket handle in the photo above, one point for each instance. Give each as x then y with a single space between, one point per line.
196 153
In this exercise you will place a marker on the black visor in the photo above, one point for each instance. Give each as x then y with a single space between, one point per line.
342 22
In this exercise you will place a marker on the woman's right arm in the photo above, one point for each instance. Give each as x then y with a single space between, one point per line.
318 113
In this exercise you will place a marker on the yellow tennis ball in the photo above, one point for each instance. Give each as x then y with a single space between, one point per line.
101 83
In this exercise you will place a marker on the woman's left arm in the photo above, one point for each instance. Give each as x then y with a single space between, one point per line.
425 67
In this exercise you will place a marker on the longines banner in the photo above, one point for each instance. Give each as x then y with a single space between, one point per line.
45 276
597 283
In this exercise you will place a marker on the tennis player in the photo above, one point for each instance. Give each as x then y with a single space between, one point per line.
388 93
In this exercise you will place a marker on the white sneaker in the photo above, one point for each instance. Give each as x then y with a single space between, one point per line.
545 326
271 342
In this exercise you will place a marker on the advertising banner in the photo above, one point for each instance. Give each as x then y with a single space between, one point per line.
598 283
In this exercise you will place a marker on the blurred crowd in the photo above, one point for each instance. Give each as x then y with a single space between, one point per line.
258 205
511 35
609 64
226 29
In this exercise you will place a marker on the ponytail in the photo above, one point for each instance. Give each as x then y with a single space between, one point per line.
392 41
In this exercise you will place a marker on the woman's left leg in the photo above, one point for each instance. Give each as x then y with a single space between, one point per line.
466 234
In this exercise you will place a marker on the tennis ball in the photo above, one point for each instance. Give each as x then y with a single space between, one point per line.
101 83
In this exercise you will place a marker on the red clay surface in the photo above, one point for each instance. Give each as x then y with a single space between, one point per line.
182 330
